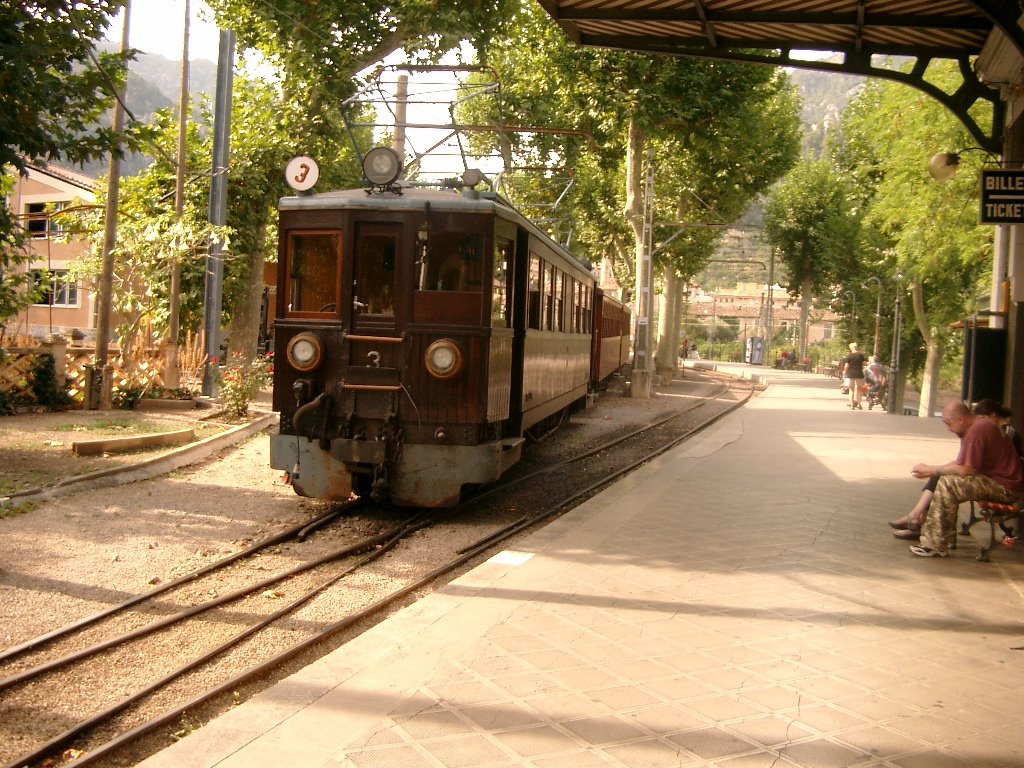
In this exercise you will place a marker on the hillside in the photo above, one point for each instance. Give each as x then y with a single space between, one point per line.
153 83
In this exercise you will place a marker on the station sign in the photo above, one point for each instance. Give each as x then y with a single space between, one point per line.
1002 197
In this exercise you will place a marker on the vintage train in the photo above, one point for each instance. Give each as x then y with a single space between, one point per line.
421 333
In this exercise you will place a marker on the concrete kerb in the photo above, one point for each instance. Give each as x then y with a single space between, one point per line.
143 470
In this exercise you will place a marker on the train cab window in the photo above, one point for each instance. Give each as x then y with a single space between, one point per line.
533 290
501 289
374 287
454 262
314 259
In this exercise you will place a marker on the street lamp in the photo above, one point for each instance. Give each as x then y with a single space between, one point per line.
894 365
853 313
878 309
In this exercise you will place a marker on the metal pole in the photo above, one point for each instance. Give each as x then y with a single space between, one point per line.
642 357
894 365
878 309
218 205
101 383
771 306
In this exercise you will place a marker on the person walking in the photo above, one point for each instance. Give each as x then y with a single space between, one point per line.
853 369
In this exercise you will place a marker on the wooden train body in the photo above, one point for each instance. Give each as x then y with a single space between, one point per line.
419 334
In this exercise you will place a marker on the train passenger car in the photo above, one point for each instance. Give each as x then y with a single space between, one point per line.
611 348
419 334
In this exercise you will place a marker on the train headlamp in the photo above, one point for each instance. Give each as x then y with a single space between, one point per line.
382 166
443 359
305 352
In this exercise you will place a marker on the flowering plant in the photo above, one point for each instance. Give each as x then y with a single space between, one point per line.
239 384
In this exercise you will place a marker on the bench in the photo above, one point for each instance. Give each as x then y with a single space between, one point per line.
995 514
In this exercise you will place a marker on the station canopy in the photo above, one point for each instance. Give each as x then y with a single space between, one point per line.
866 35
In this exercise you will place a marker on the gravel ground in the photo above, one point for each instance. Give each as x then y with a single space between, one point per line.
72 556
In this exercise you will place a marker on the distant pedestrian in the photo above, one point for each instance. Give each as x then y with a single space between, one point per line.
853 369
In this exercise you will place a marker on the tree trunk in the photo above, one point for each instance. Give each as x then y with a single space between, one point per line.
668 327
243 332
935 348
805 313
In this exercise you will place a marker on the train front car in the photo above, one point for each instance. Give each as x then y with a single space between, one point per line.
398 368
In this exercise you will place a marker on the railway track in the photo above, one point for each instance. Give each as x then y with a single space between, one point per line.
122 715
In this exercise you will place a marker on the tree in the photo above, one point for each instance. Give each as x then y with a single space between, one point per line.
52 91
929 228
701 118
811 221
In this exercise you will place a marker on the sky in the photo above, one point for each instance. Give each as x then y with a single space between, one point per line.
156 27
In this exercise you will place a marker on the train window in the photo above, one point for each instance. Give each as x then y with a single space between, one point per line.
534 292
453 262
558 321
578 308
374 287
501 299
313 259
547 280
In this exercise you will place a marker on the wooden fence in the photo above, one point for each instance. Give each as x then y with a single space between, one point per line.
72 366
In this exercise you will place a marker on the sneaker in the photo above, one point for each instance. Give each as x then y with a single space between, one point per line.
922 551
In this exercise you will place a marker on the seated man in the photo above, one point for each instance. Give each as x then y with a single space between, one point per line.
986 469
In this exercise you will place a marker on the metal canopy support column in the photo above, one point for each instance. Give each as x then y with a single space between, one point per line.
643 369
218 206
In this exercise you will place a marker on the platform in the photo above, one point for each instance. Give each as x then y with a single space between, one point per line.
739 602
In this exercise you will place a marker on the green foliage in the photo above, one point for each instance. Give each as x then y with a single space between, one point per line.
44 385
52 93
127 397
925 230
38 389
812 221
721 132
50 87
240 384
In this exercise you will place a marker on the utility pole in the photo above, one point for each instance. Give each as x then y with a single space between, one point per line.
218 206
172 377
101 380
640 383
401 108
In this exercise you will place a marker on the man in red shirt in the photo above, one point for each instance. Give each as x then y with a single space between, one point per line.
986 469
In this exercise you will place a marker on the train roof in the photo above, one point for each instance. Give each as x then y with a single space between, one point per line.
409 197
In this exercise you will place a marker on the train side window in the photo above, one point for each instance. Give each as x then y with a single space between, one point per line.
578 308
588 309
501 299
558 321
547 290
374 285
453 262
534 292
313 261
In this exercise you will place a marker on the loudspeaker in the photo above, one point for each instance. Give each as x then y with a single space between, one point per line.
984 364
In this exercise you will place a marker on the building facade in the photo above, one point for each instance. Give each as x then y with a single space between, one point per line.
68 308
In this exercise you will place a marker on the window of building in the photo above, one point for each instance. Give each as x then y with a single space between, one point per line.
61 289
40 220
827 330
